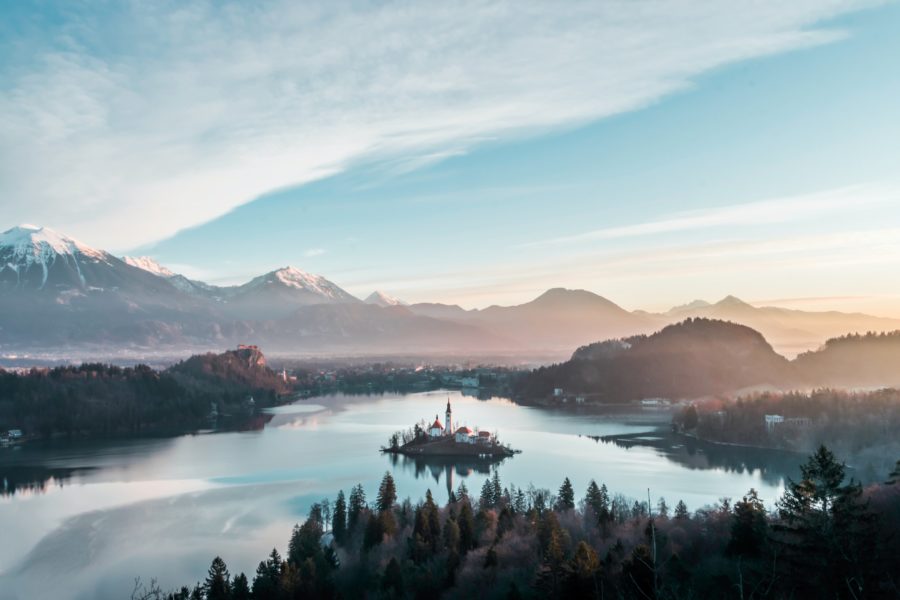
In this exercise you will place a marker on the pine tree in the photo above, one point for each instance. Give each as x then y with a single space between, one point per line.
825 528
487 495
392 580
387 493
339 519
749 526
357 505
218 582
240 588
466 522
267 582
496 488
566 499
681 510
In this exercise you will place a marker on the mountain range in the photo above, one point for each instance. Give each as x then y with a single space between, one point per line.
60 295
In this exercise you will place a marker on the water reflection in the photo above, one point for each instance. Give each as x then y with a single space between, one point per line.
773 466
433 467
30 480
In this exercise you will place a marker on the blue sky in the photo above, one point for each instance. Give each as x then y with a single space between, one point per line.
750 154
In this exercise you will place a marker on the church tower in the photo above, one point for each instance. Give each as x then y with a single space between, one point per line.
449 430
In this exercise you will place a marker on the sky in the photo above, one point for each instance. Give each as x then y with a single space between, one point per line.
474 152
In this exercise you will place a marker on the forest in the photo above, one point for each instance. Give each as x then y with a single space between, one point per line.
827 537
100 399
861 427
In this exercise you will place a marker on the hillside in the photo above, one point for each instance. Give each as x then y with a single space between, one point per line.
99 400
693 358
870 360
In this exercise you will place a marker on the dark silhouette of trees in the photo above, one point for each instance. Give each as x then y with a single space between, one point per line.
828 538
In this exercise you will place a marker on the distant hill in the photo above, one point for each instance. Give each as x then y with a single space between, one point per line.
789 331
693 358
871 360
244 368
98 399
557 320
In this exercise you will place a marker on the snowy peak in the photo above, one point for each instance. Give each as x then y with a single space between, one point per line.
30 244
148 264
379 298
291 279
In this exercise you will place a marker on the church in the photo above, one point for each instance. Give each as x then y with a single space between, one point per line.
462 435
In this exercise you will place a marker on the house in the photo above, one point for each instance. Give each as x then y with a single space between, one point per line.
484 437
464 435
772 421
14 434
557 392
468 382
579 399
436 430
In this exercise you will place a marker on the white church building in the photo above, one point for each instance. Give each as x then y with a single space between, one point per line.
463 435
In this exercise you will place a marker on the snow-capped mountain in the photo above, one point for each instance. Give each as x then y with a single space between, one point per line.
41 259
379 298
148 264
37 258
279 293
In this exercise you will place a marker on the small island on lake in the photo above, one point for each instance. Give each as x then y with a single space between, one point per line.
439 439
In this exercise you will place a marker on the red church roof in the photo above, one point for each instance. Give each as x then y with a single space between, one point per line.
464 430
484 433
436 424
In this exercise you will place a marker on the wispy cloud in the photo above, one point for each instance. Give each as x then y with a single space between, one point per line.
770 211
314 252
124 126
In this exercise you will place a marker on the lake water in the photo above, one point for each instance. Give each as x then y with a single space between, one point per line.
108 512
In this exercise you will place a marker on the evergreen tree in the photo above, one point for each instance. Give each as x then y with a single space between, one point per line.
218 582
392 580
681 510
496 488
487 495
451 535
373 534
305 542
387 493
825 528
749 527
462 492
267 582
357 505
339 519
466 522
240 588
566 499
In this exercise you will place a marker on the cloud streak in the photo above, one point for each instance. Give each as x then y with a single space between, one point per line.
124 125
763 212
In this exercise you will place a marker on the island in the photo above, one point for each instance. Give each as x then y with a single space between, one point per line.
439 439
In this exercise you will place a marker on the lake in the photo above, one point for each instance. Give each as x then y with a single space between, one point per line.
82 519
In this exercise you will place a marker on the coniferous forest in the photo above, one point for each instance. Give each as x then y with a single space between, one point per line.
827 537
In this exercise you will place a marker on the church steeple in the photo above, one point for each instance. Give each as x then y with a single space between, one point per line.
449 429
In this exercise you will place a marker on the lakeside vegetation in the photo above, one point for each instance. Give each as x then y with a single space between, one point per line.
102 400
826 537
861 427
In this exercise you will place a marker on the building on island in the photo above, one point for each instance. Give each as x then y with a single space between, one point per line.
464 435
446 439
436 430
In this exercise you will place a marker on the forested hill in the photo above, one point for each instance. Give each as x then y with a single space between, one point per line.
244 368
854 360
693 358
98 399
